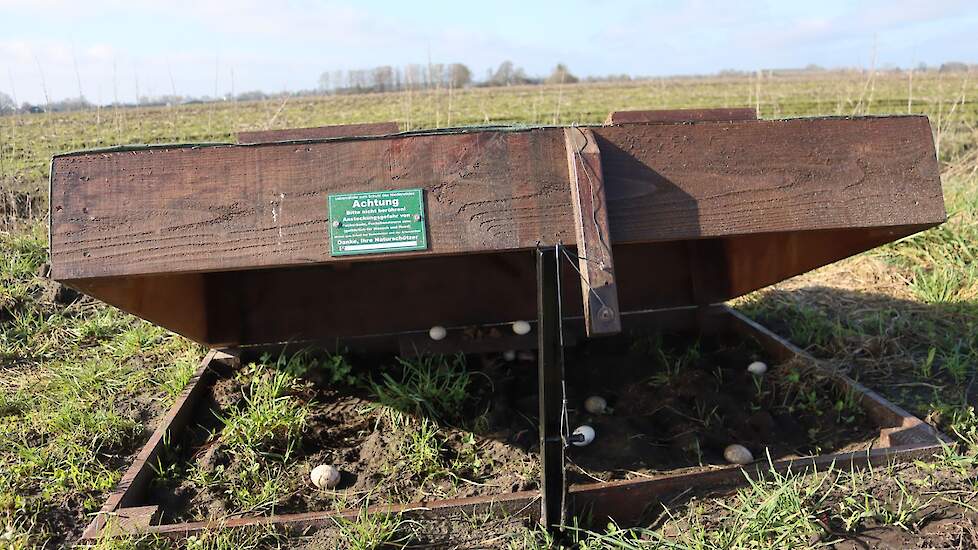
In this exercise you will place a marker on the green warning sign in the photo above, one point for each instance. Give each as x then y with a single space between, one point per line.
376 222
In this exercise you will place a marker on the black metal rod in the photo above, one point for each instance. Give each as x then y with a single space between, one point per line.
551 372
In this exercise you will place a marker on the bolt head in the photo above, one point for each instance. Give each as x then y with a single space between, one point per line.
336 223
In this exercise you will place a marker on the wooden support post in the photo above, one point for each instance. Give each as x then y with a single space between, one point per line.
601 313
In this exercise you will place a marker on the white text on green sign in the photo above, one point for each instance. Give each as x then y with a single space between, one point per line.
377 222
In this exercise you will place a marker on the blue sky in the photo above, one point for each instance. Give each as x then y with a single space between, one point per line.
113 48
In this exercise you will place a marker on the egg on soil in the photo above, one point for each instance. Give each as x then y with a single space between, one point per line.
738 454
325 476
757 368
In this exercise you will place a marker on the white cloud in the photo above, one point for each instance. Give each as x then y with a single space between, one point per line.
269 45
100 53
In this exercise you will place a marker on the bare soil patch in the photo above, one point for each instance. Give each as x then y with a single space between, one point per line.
676 401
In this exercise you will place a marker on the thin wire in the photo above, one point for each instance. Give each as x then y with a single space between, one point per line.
589 287
564 417
588 169
579 257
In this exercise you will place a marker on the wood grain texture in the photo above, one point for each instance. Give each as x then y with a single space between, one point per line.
243 207
680 115
320 132
679 182
595 261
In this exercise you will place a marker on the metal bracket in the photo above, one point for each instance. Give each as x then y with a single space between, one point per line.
553 487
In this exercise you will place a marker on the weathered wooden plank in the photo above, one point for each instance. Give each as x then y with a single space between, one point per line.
678 182
522 504
320 132
667 116
240 207
595 260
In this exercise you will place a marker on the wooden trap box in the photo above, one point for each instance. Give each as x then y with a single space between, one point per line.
368 237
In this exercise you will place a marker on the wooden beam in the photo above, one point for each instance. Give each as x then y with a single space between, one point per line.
595 261
671 116
320 132
191 209
522 504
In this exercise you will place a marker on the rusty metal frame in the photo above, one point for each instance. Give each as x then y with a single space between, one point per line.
903 437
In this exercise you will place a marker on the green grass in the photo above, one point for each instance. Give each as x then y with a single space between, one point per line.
800 510
373 531
780 512
271 418
262 433
430 385
72 382
218 539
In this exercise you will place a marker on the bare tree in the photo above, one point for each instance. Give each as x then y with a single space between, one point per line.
561 75
383 78
459 75
508 74
7 104
503 75
325 82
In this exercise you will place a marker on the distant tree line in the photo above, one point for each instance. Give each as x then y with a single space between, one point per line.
390 79
433 76
949 67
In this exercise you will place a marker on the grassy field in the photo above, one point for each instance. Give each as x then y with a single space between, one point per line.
82 385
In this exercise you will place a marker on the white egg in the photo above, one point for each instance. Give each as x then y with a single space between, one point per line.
509 355
596 405
437 332
325 476
587 435
757 368
521 327
738 454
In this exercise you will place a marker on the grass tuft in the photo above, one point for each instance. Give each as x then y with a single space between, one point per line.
373 531
271 418
430 385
